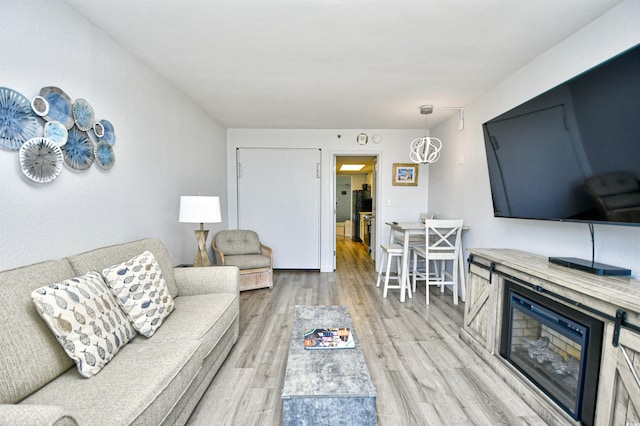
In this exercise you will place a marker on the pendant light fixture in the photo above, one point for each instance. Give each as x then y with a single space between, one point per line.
427 149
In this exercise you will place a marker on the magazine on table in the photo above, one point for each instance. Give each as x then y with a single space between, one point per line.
328 338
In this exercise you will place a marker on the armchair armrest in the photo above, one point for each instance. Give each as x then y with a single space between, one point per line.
219 256
267 251
24 414
204 280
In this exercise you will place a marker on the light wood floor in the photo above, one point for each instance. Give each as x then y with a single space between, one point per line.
423 373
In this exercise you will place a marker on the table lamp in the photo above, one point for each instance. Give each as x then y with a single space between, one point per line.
200 209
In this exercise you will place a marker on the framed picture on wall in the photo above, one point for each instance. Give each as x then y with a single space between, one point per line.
405 174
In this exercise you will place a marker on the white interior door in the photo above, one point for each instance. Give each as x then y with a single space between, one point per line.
279 198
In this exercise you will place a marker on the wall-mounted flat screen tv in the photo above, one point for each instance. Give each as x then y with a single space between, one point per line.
572 153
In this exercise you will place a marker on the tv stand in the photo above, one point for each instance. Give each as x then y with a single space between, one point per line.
589 266
607 298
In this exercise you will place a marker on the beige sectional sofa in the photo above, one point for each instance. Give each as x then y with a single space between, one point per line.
150 381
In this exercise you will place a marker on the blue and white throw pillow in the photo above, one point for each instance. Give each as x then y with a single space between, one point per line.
141 291
86 320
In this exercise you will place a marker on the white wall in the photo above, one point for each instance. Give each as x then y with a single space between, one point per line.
463 190
357 180
405 203
166 146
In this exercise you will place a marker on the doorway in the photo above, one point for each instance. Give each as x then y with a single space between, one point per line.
355 197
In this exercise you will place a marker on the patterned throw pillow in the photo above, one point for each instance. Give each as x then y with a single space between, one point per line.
86 319
140 289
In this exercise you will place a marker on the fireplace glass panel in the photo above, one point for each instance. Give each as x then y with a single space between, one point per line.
548 348
556 347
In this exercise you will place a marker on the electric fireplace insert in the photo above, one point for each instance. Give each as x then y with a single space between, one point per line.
554 346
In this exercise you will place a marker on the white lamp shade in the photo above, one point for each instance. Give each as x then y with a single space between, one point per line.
199 209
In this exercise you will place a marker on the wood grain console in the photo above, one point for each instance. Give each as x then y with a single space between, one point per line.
613 300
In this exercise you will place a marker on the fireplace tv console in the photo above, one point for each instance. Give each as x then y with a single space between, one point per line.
611 302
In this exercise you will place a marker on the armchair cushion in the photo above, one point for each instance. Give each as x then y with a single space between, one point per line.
248 261
237 242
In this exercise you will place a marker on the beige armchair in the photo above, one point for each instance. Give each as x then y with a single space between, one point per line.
242 248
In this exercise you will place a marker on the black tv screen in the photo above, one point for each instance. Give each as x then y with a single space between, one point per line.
572 153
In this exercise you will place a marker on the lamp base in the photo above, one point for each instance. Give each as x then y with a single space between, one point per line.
202 257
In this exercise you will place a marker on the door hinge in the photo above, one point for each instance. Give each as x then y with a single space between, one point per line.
318 171
239 170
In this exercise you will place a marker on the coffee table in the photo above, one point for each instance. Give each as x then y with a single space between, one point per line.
326 386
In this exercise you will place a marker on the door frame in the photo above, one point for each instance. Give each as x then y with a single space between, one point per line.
377 195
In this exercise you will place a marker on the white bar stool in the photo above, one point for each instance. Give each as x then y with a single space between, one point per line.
391 251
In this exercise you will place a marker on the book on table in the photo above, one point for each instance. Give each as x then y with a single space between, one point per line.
328 338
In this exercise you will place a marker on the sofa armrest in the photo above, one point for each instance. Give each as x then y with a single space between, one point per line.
209 279
25 414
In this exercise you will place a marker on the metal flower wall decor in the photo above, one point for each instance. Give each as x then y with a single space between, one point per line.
70 133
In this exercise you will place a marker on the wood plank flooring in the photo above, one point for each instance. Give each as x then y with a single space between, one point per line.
423 373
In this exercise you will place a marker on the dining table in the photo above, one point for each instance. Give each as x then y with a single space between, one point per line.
418 231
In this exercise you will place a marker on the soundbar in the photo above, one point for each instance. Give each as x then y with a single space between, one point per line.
589 266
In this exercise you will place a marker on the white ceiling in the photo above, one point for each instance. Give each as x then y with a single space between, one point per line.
332 64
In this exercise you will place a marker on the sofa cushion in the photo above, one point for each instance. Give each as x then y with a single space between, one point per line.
86 320
97 260
214 279
248 261
139 386
203 318
140 289
34 359
35 415
238 241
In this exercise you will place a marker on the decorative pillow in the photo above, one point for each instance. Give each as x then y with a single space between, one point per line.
86 320
140 289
